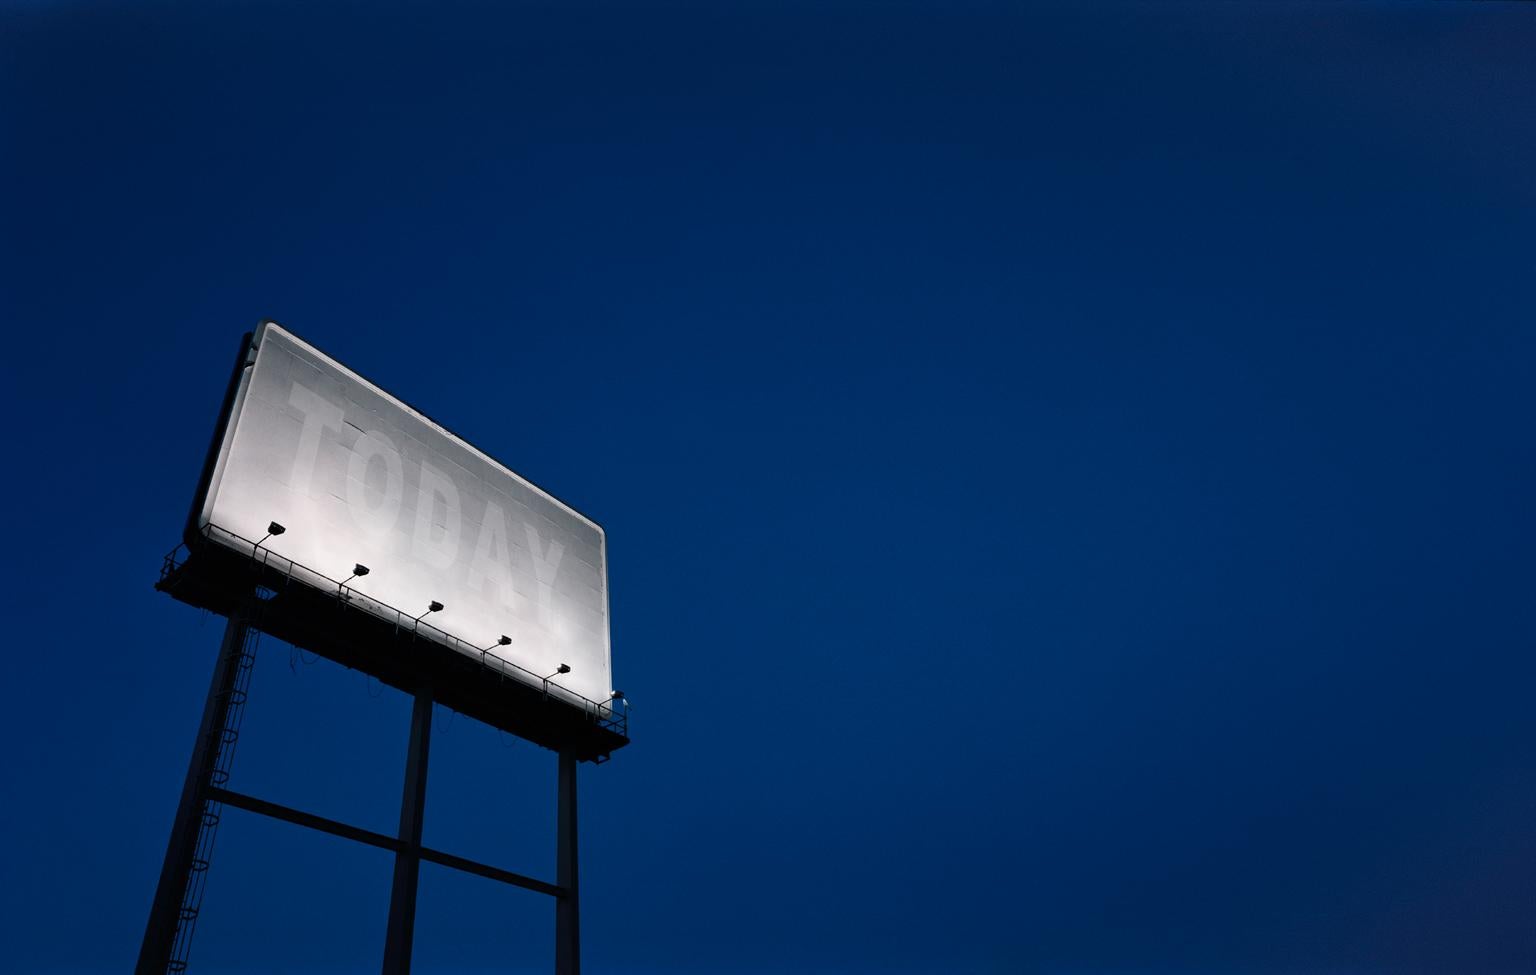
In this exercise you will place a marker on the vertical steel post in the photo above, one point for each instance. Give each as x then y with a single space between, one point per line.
160 931
402 897
567 904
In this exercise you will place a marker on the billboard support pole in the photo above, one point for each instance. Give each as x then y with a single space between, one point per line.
175 873
567 914
402 898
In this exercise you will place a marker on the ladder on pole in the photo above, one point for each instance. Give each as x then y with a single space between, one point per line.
223 747
184 875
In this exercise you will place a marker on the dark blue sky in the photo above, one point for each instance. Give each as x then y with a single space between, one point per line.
1068 471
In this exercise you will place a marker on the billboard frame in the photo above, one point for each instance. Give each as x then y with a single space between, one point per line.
221 447
208 570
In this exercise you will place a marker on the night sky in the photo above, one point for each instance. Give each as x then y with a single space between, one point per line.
1068 472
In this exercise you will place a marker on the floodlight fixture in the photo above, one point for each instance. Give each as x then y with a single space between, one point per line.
616 696
358 571
562 669
433 607
502 641
273 528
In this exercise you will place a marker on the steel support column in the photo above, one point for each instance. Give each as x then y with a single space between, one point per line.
160 931
402 898
567 904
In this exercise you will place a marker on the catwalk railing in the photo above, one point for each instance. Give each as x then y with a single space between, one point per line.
607 714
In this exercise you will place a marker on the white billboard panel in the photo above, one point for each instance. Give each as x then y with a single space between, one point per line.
355 475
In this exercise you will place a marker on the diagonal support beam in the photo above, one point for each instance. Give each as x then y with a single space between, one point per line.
300 818
347 831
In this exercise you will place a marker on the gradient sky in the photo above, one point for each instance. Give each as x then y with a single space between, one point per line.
1068 472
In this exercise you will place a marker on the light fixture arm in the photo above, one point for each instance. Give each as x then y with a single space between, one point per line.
273 528
358 571
433 607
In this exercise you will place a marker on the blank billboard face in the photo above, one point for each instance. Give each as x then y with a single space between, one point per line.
356 476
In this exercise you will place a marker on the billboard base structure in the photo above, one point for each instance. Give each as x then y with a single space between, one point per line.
260 593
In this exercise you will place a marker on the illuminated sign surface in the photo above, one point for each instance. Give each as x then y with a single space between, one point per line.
356 476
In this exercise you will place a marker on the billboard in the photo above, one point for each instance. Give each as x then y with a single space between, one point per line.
356 477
